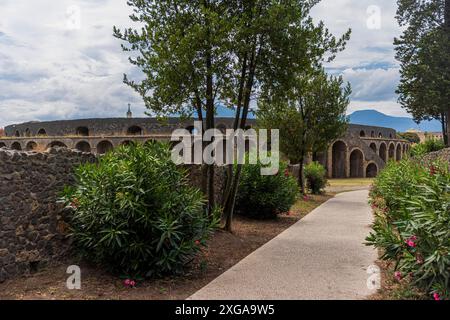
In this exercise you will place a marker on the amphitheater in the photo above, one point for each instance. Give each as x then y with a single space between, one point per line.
362 152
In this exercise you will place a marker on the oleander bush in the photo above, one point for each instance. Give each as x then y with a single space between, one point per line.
316 177
412 223
134 212
265 196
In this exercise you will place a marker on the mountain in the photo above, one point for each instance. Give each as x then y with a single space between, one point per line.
401 124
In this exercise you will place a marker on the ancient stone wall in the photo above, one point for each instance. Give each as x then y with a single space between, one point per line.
32 228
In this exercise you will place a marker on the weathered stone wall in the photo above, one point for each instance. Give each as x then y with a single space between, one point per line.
32 228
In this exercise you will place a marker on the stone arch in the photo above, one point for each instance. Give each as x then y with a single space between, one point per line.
83 146
362 134
31 146
398 154
17 133
380 135
82 131
16 146
383 151
356 164
27 132
339 159
371 170
373 146
391 151
222 127
372 134
56 144
2 145
104 146
192 129
135 131
42 132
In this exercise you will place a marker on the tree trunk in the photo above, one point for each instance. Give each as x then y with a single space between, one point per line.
301 177
447 31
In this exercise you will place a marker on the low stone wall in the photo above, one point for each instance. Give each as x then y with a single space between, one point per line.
33 229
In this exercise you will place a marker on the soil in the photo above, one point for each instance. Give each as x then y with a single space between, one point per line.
224 250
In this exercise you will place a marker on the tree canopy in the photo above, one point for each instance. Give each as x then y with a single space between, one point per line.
424 54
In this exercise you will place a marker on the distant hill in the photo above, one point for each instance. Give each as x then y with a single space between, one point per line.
401 124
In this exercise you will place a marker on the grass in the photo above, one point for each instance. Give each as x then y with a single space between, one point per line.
351 182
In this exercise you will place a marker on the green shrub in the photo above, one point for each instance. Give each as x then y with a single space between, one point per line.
134 212
430 145
264 197
316 177
412 223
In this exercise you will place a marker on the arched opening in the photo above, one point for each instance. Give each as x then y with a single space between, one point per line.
57 144
134 131
398 155
383 151
372 134
356 164
17 134
104 147
42 132
390 135
372 170
83 146
404 149
362 133
222 128
391 151
27 132
2 145
380 135
31 146
339 158
192 130
16 146
373 146
82 131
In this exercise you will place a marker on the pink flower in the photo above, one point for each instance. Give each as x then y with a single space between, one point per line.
305 198
398 275
197 242
132 283
286 173
127 282
436 296
411 242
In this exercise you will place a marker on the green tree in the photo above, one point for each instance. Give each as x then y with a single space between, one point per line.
197 54
424 53
309 117
410 136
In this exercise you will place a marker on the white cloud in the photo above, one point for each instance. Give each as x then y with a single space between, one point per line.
50 71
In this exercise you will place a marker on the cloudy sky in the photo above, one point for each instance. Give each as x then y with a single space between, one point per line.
59 60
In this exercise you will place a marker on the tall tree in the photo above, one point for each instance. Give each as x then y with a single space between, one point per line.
197 54
424 53
311 115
